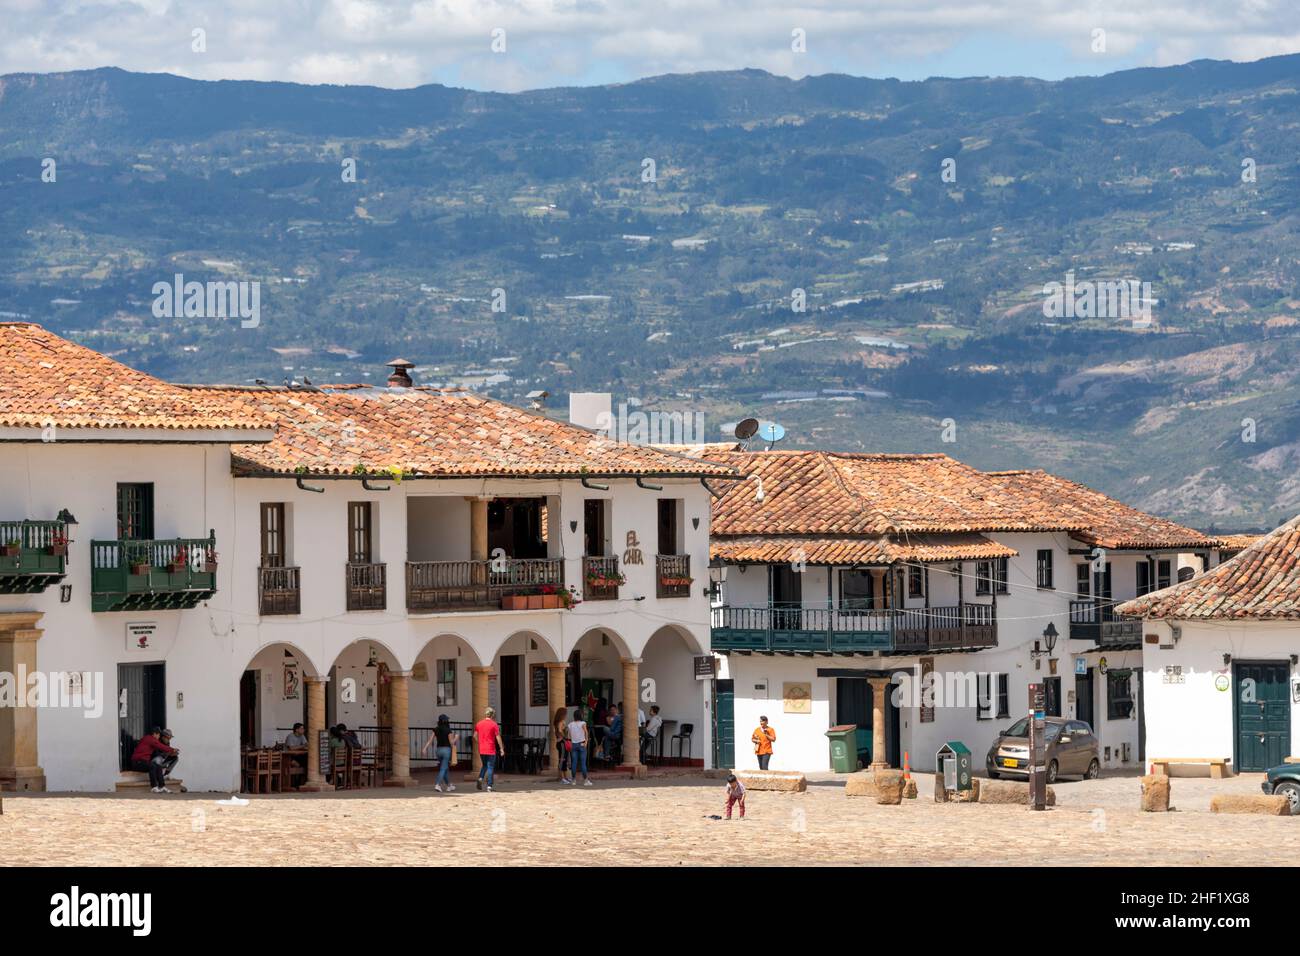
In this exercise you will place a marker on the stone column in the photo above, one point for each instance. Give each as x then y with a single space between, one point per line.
478 529
19 755
877 588
555 673
399 690
478 705
631 732
316 685
879 697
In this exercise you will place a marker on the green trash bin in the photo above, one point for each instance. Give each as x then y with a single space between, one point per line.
844 748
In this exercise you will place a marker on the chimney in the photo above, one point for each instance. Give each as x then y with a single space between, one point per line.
399 377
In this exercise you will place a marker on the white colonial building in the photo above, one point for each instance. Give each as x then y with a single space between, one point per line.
229 561
846 580
1220 657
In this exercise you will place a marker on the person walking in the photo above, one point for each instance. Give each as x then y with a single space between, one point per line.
562 744
490 746
446 741
762 739
579 737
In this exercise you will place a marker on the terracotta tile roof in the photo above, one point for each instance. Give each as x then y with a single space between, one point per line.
431 433
1236 542
783 549
45 379
1099 519
830 493
1261 583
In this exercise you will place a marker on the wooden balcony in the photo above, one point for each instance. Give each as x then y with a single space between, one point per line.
152 575
929 630
600 578
367 587
477 585
673 575
1096 620
33 555
279 591
790 629
798 629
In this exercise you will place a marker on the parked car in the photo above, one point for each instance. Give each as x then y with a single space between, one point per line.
1285 780
1070 748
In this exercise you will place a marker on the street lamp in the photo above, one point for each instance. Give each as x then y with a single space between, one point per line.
1050 635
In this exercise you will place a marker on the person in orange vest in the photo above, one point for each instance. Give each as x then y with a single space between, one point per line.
762 739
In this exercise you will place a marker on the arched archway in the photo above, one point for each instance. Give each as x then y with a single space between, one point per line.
519 686
358 694
671 692
273 694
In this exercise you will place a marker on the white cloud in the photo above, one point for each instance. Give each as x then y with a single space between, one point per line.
402 43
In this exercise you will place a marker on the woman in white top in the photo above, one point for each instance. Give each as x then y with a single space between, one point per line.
578 736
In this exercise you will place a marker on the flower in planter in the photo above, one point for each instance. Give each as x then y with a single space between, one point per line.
12 547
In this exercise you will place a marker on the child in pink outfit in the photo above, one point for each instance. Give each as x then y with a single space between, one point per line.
735 795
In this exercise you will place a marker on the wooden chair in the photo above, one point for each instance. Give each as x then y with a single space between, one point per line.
261 771
250 771
275 767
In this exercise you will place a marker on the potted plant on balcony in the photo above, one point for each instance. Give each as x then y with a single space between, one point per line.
140 566
58 545
11 548
675 582
604 580
570 599
210 560
179 560
514 602
552 597
537 601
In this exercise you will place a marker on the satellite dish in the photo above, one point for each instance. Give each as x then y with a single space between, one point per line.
745 429
771 433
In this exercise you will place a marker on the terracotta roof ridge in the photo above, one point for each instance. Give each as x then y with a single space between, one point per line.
869 508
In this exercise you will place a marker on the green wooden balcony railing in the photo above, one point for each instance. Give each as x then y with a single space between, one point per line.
33 555
152 575
794 628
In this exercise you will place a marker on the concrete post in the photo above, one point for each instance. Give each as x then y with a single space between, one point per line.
19 754
879 697
316 685
399 689
631 732
555 673
478 706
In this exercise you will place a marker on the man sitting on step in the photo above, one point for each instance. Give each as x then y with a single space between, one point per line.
155 756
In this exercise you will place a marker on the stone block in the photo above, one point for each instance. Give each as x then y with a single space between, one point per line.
1008 791
786 781
889 787
1155 793
1274 805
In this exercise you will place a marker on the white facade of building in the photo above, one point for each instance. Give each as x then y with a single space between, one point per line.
1076 666
207 650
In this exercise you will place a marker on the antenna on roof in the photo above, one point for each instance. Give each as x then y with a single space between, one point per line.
771 433
745 430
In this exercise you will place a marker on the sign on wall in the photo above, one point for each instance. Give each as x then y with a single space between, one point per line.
140 635
633 555
797 697
1174 674
704 667
292 680
539 694
927 699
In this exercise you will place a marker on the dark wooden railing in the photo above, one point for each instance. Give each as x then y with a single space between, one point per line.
1095 620
673 575
279 590
33 555
477 585
785 627
367 587
600 577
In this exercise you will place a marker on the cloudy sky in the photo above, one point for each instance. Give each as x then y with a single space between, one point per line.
402 43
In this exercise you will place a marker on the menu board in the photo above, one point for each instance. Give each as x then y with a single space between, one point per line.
540 691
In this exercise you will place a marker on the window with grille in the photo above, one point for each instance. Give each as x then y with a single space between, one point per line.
1044 568
135 511
273 543
915 582
1119 694
359 532
446 670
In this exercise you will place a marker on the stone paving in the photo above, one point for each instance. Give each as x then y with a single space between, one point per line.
663 820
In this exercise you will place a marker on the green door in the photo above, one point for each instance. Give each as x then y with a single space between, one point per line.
1263 714
724 724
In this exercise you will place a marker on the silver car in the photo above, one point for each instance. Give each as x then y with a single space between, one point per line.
1070 749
